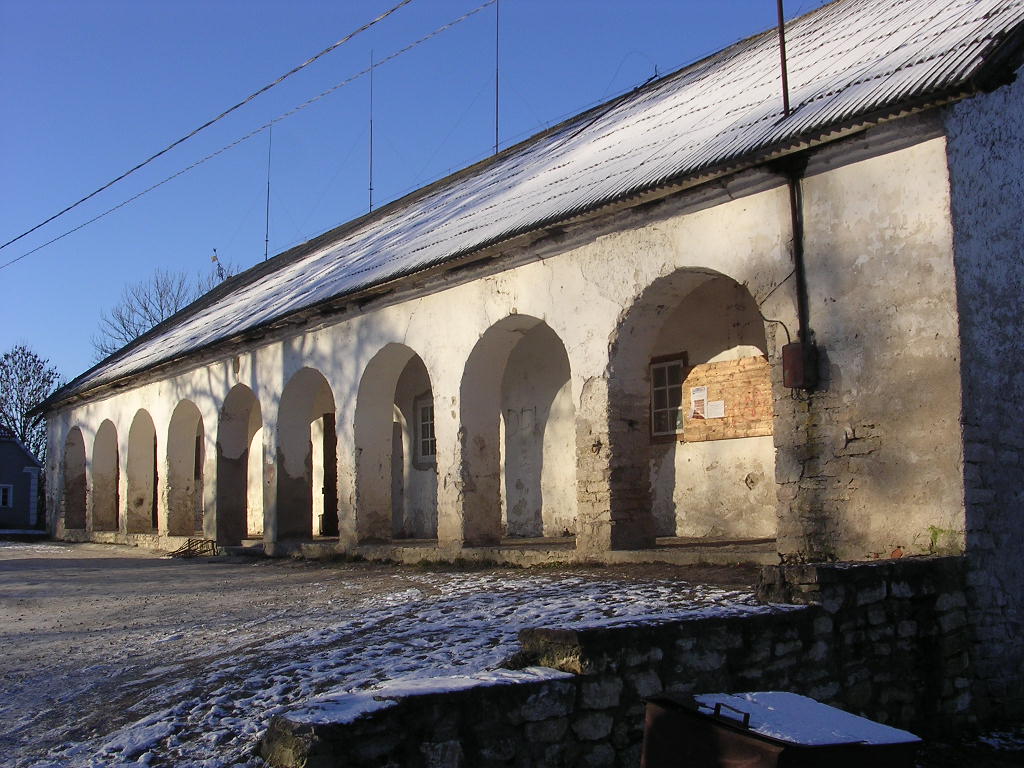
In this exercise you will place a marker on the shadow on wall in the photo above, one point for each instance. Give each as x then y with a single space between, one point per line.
517 437
870 459
306 458
74 481
239 467
105 479
141 515
396 448
538 492
690 461
185 463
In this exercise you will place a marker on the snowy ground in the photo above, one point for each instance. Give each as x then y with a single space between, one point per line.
113 656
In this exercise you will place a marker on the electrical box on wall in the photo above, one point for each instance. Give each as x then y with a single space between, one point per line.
799 365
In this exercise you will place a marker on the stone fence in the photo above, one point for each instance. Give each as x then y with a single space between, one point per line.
887 640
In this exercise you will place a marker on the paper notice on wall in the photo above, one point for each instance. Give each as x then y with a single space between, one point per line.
715 409
698 402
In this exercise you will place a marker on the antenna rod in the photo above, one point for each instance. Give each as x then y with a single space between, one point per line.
497 80
266 230
782 56
371 129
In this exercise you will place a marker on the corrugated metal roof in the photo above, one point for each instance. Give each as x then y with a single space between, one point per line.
849 60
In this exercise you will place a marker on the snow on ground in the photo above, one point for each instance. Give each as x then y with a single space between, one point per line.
120 658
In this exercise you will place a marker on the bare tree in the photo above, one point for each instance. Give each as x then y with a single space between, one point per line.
26 379
146 303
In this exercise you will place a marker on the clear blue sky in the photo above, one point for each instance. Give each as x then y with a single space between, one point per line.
89 88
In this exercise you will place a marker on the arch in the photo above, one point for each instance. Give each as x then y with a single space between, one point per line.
518 436
105 479
306 458
141 515
74 480
239 467
396 471
683 474
185 462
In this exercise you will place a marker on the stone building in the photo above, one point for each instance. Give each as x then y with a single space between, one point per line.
684 313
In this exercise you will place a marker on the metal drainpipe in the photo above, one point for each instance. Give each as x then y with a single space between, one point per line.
796 210
799 359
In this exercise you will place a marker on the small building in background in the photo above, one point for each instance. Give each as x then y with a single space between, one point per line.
19 484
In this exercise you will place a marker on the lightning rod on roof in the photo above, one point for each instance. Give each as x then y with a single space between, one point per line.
497 81
782 59
371 131
266 219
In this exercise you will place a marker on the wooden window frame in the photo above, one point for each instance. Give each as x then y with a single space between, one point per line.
421 460
681 359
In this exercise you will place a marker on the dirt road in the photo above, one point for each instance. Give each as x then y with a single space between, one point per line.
115 656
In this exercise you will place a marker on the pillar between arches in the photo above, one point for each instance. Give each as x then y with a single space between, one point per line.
450 482
348 536
210 484
269 459
612 487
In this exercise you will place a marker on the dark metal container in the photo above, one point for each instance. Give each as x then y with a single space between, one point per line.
765 730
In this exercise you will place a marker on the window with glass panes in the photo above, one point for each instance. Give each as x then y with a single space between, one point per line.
426 444
6 496
667 397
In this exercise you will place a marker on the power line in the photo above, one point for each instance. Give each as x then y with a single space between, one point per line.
208 123
254 132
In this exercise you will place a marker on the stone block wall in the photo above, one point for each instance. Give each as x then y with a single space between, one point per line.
984 136
892 637
887 640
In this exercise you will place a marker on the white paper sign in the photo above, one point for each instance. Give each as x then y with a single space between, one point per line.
698 399
715 409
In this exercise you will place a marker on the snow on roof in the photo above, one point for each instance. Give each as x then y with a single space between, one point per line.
849 61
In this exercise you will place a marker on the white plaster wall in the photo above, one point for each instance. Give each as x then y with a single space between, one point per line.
418 483
880 271
254 485
316 441
886 467
579 294
718 488
558 470
538 439
715 488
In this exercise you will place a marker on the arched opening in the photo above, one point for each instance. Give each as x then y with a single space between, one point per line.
518 446
396 472
690 365
239 467
185 461
142 508
74 480
307 481
105 478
